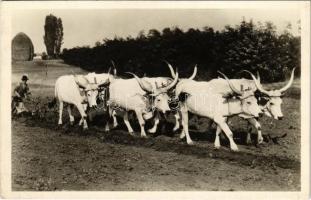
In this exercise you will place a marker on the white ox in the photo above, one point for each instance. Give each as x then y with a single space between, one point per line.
138 95
67 90
204 99
271 101
159 82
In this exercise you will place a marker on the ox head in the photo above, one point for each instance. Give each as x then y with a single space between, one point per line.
248 100
273 98
159 97
90 89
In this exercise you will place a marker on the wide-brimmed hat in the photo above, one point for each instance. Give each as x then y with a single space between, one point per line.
25 77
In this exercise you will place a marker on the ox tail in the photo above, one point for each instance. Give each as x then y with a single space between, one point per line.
52 103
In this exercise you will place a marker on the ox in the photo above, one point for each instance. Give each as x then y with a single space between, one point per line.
159 82
270 101
67 90
104 89
203 100
138 95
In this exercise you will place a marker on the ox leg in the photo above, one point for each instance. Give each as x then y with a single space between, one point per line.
127 123
256 124
83 115
81 122
84 106
177 124
248 135
71 118
141 123
107 127
182 134
115 122
61 106
184 117
156 122
217 141
224 126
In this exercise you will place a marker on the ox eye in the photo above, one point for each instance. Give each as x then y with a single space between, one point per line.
271 103
249 103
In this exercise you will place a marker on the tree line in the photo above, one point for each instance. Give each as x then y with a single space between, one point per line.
247 46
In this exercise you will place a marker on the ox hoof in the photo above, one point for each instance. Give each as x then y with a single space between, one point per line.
131 133
234 148
190 143
248 141
260 140
217 147
175 129
151 131
144 136
182 136
71 123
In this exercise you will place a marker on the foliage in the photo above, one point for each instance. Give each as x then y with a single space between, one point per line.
53 37
244 47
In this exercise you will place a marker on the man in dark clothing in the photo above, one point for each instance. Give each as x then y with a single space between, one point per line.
20 93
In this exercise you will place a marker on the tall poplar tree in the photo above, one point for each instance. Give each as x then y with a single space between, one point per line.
53 37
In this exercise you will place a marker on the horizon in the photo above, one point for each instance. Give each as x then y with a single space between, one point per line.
108 24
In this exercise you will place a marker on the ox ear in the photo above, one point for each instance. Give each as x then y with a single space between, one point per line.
81 81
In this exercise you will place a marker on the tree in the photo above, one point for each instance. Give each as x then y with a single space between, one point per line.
59 36
53 37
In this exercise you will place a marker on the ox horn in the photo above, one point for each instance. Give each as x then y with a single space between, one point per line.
172 84
171 69
290 82
230 84
258 77
258 84
107 80
195 70
114 68
146 86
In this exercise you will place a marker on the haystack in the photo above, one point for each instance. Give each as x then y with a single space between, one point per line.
22 48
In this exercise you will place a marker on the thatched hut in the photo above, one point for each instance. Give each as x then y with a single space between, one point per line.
22 48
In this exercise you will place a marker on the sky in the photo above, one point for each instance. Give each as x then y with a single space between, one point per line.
85 27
